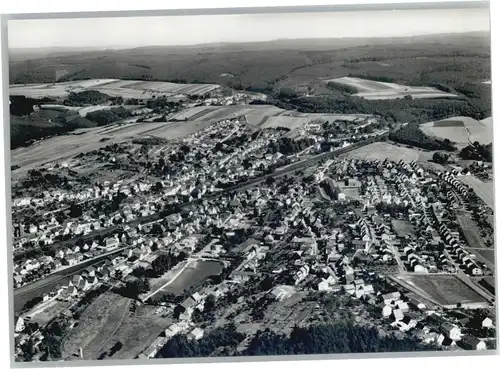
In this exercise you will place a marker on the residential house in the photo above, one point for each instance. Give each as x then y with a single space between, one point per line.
390 298
196 334
469 342
451 331
487 323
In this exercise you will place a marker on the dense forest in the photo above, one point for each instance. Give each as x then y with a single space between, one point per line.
412 135
181 346
341 337
292 78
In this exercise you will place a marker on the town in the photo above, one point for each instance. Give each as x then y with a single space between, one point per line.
303 193
237 225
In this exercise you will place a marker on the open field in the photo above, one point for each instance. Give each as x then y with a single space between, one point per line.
381 151
136 332
49 311
483 189
461 130
192 275
484 255
374 90
113 87
444 289
470 230
85 140
97 323
263 116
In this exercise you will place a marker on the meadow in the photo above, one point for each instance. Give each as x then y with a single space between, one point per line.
376 90
444 289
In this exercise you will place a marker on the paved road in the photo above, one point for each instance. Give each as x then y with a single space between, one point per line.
32 290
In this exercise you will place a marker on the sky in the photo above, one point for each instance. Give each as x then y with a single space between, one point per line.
127 32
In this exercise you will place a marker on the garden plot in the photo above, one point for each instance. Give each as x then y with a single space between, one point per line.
375 90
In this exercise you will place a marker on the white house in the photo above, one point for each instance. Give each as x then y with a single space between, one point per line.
386 311
20 325
487 323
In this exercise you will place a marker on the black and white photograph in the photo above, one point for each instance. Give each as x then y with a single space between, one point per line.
227 184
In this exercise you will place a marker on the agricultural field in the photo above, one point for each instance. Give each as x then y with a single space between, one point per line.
84 140
483 189
113 87
444 289
375 90
263 116
381 151
462 130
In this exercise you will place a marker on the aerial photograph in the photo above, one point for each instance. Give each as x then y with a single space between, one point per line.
244 185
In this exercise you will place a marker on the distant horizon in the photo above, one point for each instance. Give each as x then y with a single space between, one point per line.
69 48
178 31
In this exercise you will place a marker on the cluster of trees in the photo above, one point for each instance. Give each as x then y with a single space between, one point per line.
37 179
288 146
86 300
33 302
133 288
341 87
392 209
412 135
372 77
208 313
476 151
340 337
22 105
107 116
53 336
162 264
181 346
160 103
440 158
86 97
398 110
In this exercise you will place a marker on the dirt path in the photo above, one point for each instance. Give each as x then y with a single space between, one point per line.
125 311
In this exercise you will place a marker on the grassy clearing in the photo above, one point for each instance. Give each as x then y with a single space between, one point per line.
381 151
471 231
376 90
445 289
483 189
53 309
97 323
136 332
461 130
